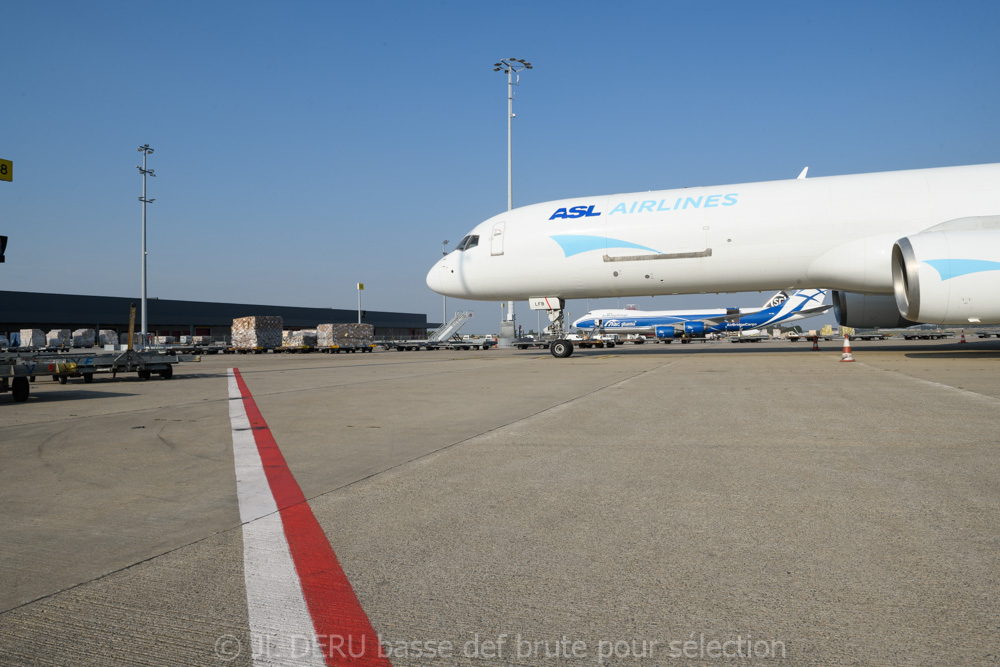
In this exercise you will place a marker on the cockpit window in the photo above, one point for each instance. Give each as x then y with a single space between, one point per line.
470 241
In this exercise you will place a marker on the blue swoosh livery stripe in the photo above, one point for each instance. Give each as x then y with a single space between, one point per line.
953 268
574 244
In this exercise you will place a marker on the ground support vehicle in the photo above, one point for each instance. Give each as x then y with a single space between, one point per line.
408 345
870 335
756 338
14 378
295 349
922 334
794 337
64 366
18 369
445 337
191 348
931 335
338 348
455 343
525 343
598 339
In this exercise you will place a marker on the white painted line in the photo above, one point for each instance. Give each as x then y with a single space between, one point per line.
281 628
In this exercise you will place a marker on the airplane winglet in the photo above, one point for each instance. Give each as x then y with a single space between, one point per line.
802 176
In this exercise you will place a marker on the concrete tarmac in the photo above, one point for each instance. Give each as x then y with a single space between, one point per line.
644 505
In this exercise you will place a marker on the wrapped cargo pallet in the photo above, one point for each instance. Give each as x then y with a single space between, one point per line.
202 340
263 331
345 335
136 339
32 338
304 338
108 337
57 338
83 338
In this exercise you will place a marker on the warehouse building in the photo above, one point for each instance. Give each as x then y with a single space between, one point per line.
168 317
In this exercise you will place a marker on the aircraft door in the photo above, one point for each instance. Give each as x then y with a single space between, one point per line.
496 239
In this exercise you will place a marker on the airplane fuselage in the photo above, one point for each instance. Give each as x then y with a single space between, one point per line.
832 232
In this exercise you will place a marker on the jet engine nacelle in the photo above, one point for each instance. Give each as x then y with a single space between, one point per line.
694 328
665 332
951 276
867 311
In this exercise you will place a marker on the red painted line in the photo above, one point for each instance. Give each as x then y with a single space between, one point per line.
342 627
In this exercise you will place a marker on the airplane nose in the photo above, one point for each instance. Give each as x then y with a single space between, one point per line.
434 278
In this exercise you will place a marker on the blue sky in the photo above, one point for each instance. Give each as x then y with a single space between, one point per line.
303 147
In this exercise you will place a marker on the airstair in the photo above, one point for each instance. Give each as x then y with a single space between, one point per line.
448 330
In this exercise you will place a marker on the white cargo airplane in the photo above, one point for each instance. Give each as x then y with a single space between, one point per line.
897 247
782 307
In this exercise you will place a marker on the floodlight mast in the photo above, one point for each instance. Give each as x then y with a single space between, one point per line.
444 297
145 150
511 66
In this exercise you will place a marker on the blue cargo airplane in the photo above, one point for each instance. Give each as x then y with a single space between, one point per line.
781 307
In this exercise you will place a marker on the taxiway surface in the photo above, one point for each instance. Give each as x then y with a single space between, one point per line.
643 505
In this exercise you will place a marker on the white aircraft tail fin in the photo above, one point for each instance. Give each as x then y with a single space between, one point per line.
776 300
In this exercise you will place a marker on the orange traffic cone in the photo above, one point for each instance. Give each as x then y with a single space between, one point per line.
815 343
846 354
963 337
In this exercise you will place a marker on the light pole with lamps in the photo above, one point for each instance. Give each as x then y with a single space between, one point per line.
513 67
145 150
444 298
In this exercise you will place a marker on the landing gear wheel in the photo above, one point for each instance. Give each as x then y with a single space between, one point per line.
20 389
561 349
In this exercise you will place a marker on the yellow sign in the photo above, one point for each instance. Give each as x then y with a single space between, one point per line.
361 286
6 170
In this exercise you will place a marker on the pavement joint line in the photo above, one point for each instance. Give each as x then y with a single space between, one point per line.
124 568
322 494
264 392
938 385
489 430
214 376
